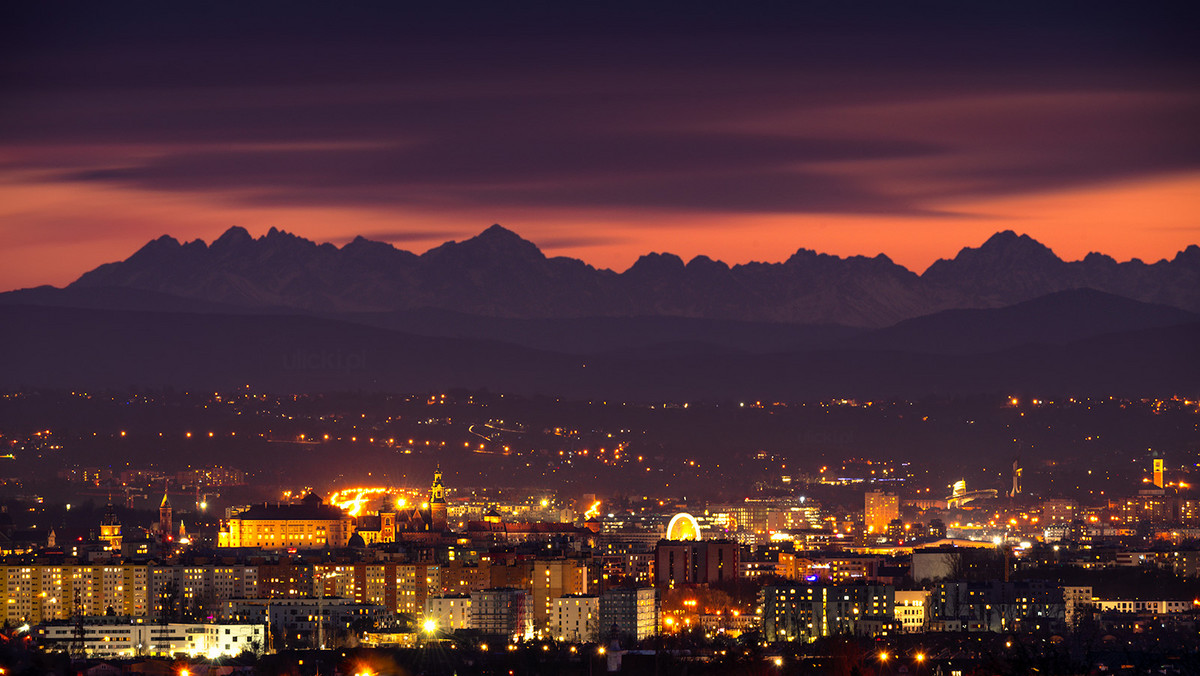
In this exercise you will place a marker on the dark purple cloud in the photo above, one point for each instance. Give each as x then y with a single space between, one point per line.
626 106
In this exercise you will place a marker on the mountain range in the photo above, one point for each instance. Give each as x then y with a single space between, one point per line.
284 313
499 274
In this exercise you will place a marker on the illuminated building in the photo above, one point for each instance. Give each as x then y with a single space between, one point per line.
1158 473
628 540
959 495
683 526
1144 606
937 529
808 516
576 618
449 612
203 589
879 510
841 567
311 524
1075 599
1060 510
997 606
912 610
634 611
502 612
437 502
414 584
1150 507
552 579
298 619
164 517
750 569
459 577
392 520
38 593
494 531
808 612
114 637
110 529
374 583
285 580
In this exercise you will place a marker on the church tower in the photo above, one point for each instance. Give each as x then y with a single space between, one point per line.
164 516
387 520
437 502
110 529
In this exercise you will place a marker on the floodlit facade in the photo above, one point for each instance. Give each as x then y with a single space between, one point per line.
912 610
310 524
450 612
576 618
113 637
878 511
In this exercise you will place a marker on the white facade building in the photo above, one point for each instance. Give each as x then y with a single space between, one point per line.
912 610
450 612
576 618
126 637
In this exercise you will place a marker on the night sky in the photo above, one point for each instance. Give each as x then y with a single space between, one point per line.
598 130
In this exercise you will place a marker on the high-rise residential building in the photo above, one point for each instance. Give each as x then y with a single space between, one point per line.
576 618
631 612
415 582
197 591
449 612
551 579
808 612
39 593
993 605
502 612
285 580
879 510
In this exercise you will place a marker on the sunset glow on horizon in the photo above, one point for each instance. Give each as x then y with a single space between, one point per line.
602 136
1072 223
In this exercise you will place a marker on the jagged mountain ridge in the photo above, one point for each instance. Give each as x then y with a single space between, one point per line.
499 274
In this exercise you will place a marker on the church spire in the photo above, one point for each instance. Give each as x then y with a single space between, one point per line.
164 515
437 502
437 492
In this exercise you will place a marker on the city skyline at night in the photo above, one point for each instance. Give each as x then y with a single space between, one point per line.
577 338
